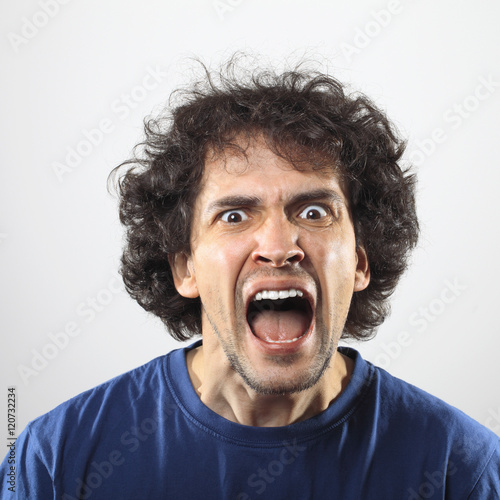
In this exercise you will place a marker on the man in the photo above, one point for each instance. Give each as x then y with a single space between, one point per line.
272 217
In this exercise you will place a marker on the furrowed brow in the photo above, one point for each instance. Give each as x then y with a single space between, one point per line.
317 195
233 202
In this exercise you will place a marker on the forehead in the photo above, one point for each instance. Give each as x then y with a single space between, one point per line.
257 170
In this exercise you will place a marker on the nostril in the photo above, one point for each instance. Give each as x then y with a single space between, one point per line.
263 259
278 259
296 258
277 243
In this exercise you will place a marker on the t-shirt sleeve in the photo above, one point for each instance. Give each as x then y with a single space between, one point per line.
488 484
32 479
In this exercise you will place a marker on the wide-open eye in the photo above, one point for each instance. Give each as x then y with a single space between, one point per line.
234 216
313 212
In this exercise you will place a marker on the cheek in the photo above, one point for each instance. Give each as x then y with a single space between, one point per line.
229 255
335 265
336 255
217 268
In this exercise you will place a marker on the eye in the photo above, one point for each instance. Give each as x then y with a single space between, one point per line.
234 216
313 212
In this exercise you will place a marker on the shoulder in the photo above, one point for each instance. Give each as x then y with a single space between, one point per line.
101 405
428 437
407 401
414 416
88 425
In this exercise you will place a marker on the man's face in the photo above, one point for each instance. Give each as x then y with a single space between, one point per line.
274 261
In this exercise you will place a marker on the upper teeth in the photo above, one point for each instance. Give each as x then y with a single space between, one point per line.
278 294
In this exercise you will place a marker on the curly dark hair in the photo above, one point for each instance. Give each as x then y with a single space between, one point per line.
302 115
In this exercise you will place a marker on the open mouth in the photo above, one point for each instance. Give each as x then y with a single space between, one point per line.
279 316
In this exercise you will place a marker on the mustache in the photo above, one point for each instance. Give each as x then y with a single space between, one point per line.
277 272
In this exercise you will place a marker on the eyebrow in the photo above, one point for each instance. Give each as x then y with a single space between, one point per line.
237 201
318 194
233 202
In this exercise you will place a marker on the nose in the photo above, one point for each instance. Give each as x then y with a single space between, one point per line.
277 243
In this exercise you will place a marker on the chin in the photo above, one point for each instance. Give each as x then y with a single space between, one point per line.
282 375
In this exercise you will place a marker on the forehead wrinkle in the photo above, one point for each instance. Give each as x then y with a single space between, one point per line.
239 161
236 201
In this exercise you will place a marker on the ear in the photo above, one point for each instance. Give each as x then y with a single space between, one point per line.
183 273
362 277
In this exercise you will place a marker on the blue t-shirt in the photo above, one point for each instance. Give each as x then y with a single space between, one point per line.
147 435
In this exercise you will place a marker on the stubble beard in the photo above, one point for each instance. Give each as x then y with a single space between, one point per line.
271 385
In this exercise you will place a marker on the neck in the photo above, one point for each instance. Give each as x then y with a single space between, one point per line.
225 392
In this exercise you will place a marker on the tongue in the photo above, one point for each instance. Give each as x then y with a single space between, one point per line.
279 325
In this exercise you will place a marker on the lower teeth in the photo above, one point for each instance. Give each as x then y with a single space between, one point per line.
284 341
